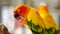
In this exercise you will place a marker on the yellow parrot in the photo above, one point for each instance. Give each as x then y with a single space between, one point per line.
31 18
49 22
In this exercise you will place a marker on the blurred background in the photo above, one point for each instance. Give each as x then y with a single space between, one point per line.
7 6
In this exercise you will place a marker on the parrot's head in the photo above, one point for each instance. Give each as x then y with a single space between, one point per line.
43 7
21 11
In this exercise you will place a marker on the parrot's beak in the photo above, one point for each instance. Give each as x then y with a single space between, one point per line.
19 17
16 15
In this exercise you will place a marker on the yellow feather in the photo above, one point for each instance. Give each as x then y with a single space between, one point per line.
35 17
48 19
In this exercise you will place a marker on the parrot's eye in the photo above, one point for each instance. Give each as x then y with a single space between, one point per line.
19 10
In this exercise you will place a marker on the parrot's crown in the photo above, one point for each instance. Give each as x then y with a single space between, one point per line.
42 3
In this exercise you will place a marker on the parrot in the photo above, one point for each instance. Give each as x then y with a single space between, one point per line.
31 18
50 25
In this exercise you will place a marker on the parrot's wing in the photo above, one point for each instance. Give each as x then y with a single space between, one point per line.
35 21
50 22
